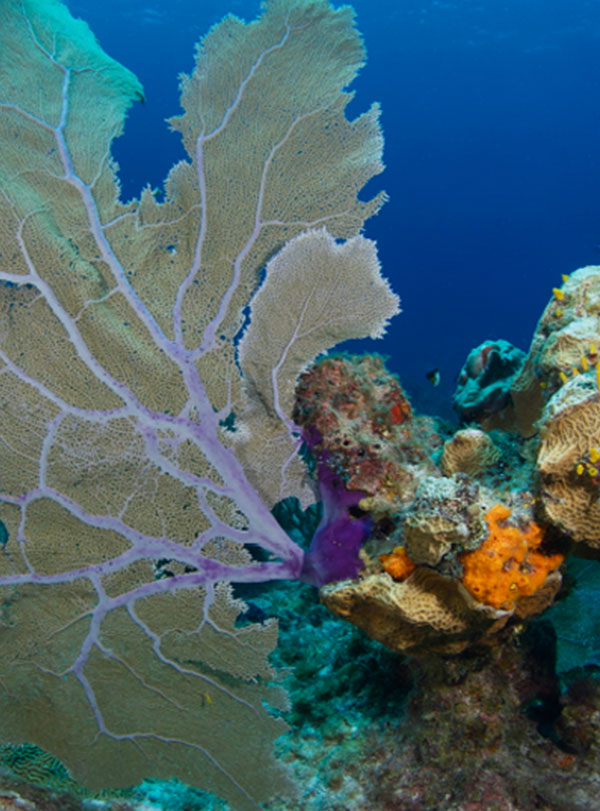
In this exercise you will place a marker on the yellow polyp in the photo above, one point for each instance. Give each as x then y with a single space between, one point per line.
594 455
575 370
558 312
593 349
579 469
563 377
598 375
543 384
593 471
558 293
584 363
565 277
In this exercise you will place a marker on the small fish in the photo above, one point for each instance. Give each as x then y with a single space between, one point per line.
434 377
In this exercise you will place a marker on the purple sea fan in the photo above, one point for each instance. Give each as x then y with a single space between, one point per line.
138 453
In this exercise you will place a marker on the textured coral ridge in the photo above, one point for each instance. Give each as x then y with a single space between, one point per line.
558 396
568 460
565 344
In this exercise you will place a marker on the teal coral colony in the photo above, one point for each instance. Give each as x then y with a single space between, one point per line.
193 492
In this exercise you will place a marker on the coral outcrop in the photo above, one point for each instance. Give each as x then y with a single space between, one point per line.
566 343
469 538
356 413
453 550
417 608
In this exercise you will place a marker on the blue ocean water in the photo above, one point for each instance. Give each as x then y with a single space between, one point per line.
491 121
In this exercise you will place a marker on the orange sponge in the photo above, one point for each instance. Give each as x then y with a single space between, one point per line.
397 563
507 566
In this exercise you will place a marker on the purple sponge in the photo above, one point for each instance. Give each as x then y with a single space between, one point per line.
333 553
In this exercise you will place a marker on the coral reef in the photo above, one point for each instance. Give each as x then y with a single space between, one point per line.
459 563
443 566
155 441
470 537
416 609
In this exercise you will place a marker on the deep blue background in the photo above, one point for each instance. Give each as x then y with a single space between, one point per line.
491 114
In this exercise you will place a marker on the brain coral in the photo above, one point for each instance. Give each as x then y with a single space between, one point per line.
570 438
469 451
